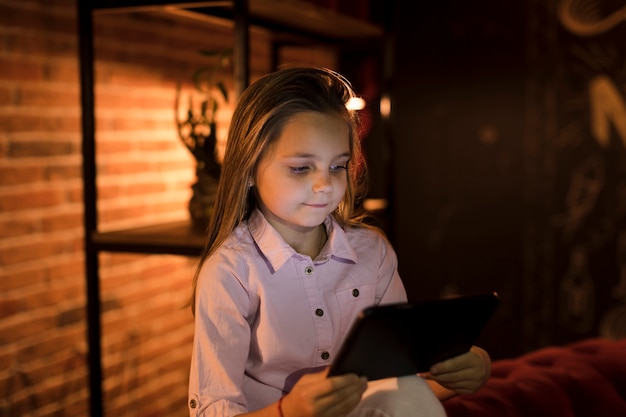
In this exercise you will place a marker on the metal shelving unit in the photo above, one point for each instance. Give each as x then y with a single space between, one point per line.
292 21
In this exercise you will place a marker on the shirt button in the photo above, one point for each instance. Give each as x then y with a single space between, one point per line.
192 404
319 312
325 355
308 270
355 292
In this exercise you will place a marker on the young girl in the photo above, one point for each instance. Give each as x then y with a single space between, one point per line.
288 266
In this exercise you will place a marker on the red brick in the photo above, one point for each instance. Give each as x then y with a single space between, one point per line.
12 385
43 98
50 296
71 316
30 325
20 280
12 175
111 259
146 188
109 191
34 44
121 99
72 268
132 297
13 70
24 200
41 148
162 145
162 347
32 251
181 164
75 404
28 18
51 391
9 307
74 194
60 72
7 97
58 344
163 268
4 146
155 392
106 147
45 297
64 172
123 213
18 226
120 123
173 206
62 221
33 123
58 4
124 167
112 284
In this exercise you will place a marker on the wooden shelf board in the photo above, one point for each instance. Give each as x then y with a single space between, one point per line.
295 16
305 17
177 238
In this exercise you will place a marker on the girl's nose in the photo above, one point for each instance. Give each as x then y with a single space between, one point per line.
322 182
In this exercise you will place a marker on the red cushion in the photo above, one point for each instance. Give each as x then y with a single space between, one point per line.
584 379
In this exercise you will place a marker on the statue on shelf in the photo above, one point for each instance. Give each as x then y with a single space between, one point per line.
198 132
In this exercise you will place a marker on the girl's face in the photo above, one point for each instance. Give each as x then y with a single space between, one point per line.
302 177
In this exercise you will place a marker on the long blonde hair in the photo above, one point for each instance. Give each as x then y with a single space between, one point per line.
261 112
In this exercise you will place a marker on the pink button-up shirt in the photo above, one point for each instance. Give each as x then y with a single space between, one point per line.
265 314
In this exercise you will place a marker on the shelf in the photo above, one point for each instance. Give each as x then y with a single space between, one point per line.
178 238
284 16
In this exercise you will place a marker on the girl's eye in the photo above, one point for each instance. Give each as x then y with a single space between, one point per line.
307 168
338 168
298 170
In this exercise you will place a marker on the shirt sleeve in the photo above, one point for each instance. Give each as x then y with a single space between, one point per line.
221 342
390 287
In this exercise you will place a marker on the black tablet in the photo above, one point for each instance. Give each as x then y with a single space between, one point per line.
408 338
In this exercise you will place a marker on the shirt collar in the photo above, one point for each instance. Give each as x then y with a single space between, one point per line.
276 251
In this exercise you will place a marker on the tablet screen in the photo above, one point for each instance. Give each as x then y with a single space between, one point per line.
408 338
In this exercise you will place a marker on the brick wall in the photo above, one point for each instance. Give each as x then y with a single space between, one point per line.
144 174
42 326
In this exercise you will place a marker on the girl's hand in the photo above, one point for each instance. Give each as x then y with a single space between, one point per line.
315 395
463 374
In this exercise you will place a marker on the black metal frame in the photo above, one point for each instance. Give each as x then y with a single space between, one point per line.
85 48
93 241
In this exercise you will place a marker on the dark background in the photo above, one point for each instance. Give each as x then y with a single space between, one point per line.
495 179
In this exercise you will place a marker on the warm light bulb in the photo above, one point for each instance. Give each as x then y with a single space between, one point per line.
355 103
385 106
375 204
